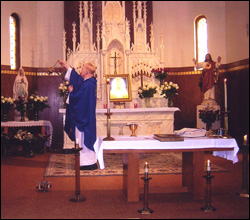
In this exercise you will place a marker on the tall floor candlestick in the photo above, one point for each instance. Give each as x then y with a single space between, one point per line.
226 112
77 197
108 138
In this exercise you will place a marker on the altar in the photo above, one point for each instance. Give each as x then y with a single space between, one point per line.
192 150
152 120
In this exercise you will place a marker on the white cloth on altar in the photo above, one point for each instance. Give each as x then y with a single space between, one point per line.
148 142
191 132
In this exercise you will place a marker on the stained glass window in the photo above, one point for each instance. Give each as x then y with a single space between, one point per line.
12 23
201 38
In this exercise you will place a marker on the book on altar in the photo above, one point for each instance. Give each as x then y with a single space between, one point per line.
168 137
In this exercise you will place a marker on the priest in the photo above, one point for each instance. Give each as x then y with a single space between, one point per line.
80 122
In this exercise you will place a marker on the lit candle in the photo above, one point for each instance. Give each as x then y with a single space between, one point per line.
225 91
245 140
77 143
146 170
208 166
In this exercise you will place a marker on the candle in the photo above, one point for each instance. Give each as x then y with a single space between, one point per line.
77 143
108 88
146 170
208 166
245 140
225 91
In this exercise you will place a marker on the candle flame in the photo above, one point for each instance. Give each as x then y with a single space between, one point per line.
225 80
245 137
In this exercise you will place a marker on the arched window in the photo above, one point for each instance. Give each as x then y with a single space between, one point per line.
200 38
14 41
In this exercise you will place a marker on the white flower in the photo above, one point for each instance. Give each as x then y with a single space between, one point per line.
61 85
67 82
171 83
31 97
35 99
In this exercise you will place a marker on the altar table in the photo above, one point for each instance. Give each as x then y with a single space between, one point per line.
46 127
192 158
152 121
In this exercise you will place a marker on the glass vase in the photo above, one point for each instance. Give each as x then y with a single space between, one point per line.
64 101
22 116
170 102
5 117
36 116
147 102
208 126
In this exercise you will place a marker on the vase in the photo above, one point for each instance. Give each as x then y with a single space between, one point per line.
64 101
208 126
147 102
36 116
5 117
170 102
22 116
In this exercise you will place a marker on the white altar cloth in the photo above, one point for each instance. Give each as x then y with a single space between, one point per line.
148 142
31 123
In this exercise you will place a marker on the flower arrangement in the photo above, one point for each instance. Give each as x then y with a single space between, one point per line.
38 103
147 91
6 104
24 136
169 90
160 73
209 116
63 91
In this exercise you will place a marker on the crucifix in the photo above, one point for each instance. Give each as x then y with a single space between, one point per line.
115 62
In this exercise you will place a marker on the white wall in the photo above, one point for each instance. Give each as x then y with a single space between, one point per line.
237 26
42 25
175 19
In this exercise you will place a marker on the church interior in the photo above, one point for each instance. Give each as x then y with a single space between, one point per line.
136 47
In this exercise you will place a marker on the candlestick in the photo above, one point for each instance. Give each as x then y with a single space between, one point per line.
225 91
208 166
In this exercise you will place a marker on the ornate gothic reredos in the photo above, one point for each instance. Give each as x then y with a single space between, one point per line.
113 51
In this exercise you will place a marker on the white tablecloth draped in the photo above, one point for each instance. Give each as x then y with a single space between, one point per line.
148 142
46 124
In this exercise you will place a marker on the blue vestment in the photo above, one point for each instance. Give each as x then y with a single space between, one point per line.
81 110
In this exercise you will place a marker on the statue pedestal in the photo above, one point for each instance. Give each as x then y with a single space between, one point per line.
207 103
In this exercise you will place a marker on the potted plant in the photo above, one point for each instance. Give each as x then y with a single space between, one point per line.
37 103
209 116
147 92
63 91
169 90
6 105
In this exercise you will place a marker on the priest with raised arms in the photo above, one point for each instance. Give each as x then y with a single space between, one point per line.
80 122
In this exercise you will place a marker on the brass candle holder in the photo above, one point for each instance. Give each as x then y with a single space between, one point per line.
108 138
